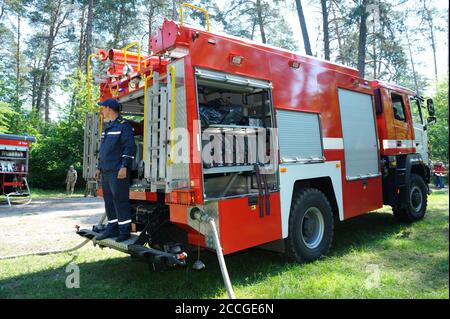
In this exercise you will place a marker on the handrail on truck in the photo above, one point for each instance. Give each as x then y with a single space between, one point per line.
195 8
125 50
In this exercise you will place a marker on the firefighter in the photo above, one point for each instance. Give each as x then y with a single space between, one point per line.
71 179
117 150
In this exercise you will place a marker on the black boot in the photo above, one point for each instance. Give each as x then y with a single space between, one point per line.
106 234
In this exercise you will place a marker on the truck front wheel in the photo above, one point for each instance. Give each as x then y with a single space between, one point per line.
416 207
310 225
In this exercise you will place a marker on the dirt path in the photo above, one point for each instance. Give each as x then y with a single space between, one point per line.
46 224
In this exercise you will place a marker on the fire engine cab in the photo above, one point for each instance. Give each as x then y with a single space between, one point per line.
273 146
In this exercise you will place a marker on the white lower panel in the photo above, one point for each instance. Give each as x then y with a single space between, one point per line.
296 172
393 144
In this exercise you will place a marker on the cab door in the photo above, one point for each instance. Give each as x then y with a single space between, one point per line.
420 133
404 139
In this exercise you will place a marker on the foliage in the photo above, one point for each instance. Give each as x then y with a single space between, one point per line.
240 18
55 152
438 132
6 113
62 143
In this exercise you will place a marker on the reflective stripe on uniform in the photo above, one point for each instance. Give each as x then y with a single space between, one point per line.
113 221
128 156
114 133
125 222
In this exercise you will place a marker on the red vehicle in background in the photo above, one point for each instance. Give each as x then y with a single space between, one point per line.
14 161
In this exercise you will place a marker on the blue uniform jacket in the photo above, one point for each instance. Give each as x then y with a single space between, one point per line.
117 148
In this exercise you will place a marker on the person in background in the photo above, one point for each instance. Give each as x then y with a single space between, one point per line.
439 171
71 179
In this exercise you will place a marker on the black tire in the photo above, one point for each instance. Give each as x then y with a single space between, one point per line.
301 246
417 201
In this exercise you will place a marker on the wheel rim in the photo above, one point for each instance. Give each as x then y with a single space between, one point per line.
312 228
416 198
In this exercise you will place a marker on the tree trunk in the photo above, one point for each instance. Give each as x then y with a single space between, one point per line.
253 29
433 47
260 21
47 101
45 68
81 46
338 35
380 55
116 36
174 10
326 31
34 84
374 50
150 16
362 41
89 30
2 10
412 62
305 35
55 26
18 62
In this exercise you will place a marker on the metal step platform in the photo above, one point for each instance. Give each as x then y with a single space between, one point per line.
130 247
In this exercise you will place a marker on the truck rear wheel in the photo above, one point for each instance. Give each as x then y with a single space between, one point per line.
310 226
417 201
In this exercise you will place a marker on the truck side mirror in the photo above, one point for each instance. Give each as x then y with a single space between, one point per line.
430 107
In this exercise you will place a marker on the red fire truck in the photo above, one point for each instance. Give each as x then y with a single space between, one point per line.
14 156
329 145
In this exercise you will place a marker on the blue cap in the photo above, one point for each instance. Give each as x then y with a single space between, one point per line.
112 103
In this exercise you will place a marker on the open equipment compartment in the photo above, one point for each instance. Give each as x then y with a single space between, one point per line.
239 148
133 112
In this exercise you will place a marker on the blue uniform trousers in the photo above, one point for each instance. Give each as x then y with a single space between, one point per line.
117 204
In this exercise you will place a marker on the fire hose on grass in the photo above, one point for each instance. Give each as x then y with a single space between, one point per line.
196 213
59 251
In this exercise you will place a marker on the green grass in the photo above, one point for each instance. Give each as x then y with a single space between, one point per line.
45 193
37 193
412 261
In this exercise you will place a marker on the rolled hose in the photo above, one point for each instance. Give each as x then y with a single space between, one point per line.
49 252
